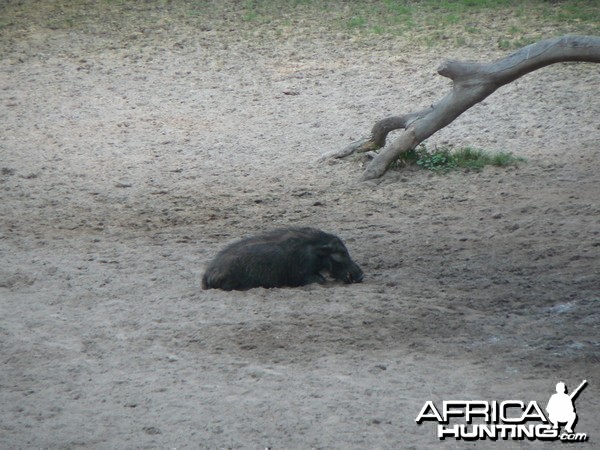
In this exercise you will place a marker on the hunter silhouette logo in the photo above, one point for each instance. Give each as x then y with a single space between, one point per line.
509 419
560 406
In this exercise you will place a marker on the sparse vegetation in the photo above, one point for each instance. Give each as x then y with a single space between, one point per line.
508 24
444 159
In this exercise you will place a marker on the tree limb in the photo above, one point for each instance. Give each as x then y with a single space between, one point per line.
472 83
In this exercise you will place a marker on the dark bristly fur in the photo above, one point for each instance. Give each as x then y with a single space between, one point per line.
283 257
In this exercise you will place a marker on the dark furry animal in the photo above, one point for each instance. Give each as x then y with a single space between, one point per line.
283 257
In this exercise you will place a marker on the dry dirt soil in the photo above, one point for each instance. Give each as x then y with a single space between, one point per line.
130 156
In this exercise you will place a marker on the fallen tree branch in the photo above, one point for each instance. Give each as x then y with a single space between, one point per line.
472 83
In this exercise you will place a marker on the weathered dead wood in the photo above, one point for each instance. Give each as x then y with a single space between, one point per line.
472 82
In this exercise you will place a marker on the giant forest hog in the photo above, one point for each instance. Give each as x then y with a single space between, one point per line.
283 257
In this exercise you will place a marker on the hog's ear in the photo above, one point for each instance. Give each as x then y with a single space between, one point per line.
330 250
325 249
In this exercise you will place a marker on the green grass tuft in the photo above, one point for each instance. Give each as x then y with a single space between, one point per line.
444 159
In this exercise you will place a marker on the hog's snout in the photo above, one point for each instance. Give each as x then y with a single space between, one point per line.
355 275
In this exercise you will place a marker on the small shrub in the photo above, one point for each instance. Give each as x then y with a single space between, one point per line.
444 159
436 160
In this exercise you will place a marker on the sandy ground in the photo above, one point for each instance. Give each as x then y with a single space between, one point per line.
128 161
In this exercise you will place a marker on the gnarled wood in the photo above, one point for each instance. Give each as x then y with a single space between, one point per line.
472 83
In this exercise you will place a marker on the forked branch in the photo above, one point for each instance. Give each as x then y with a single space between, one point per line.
472 83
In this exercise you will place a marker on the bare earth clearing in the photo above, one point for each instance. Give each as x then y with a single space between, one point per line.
128 161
